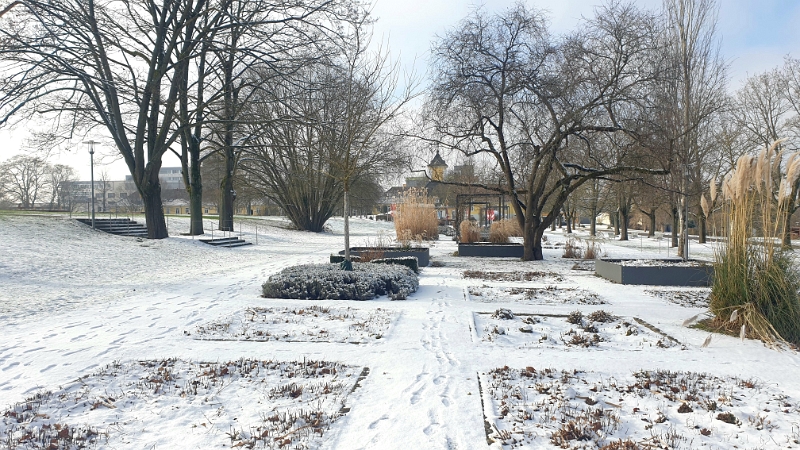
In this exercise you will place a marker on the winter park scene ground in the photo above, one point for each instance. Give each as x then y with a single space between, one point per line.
100 350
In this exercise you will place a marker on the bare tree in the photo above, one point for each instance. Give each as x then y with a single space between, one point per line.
505 89
26 178
766 109
324 131
694 92
61 178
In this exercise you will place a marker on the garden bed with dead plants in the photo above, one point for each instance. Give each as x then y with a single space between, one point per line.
689 298
598 330
540 276
308 324
547 295
180 404
547 408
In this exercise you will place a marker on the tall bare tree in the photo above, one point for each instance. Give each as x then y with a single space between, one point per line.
61 178
26 178
504 88
694 92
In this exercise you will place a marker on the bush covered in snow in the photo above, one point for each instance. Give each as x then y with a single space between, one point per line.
330 282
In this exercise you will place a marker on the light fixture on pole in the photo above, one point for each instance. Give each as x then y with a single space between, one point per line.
91 163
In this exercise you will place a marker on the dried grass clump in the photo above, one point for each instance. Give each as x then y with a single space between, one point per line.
504 229
416 216
469 232
756 283
593 250
572 249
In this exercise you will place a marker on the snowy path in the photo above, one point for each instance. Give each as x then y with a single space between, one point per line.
423 384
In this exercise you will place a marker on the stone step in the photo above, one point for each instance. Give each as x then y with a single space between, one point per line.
119 227
226 242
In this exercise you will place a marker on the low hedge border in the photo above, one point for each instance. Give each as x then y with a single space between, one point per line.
409 261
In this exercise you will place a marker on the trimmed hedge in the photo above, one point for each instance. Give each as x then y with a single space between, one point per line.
330 282
409 261
338 259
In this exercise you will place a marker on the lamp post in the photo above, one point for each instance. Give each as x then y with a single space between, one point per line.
91 165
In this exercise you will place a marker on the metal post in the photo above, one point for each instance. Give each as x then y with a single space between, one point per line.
91 164
686 215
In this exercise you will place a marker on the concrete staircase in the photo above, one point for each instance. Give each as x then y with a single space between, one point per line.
226 242
120 227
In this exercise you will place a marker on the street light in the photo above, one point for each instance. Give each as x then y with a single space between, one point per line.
91 163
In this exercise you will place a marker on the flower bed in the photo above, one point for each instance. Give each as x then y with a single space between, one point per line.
598 330
180 404
308 324
547 408
547 295
665 272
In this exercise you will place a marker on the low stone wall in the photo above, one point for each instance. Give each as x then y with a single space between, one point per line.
487 249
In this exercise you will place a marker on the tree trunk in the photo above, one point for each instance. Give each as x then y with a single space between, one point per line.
652 217
195 195
623 225
684 227
616 223
674 234
346 214
702 228
154 211
786 238
532 242
593 223
227 194
569 225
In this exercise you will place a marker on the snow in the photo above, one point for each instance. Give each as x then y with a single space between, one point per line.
75 303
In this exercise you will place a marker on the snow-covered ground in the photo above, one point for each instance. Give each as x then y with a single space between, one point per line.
143 344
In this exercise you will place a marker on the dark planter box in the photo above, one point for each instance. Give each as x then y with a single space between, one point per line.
422 253
491 250
663 275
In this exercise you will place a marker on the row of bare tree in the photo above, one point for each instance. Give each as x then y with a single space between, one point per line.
256 84
631 110
28 181
286 100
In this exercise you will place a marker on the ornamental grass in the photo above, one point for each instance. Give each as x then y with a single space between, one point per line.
416 217
755 287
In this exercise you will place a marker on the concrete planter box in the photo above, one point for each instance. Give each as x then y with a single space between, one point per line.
490 250
658 275
422 253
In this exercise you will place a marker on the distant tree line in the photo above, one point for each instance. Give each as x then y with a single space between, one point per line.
30 181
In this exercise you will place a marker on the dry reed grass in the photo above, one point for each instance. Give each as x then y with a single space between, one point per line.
416 216
501 230
469 232
755 283
593 250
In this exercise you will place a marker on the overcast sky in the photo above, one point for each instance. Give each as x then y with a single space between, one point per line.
755 37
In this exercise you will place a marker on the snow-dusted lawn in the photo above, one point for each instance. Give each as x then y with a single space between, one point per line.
77 306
